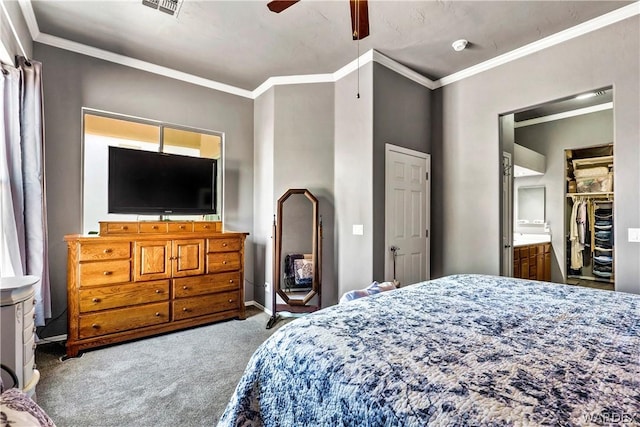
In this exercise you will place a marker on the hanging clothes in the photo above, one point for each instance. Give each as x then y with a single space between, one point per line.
574 237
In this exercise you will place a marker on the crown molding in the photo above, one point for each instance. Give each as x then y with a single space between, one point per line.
4 53
30 18
372 55
291 80
140 65
552 40
403 70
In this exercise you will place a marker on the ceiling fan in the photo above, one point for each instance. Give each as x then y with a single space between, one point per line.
359 15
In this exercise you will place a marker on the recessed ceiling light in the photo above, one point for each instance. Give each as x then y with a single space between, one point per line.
459 45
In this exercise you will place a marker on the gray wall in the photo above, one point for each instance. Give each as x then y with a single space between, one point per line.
466 150
402 117
303 158
294 149
73 81
263 195
551 139
353 172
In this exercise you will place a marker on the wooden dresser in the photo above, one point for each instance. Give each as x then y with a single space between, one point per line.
532 261
143 278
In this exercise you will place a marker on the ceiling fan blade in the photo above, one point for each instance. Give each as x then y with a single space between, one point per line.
359 19
278 6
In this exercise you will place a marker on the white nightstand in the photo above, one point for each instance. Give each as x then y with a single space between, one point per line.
17 330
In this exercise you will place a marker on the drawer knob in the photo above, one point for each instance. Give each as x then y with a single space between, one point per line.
108 251
157 314
124 227
158 291
155 227
33 347
185 287
95 326
185 309
230 280
224 262
182 227
230 300
224 245
206 227
96 300
107 273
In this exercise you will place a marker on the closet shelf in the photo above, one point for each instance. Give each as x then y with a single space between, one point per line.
591 161
603 195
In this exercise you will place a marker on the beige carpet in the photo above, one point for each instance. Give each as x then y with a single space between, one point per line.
179 379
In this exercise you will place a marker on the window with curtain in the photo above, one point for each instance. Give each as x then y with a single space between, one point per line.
23 249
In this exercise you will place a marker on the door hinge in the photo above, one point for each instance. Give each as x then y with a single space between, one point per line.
427 176
427 234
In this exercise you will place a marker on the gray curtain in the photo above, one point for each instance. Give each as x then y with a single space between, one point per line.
22 204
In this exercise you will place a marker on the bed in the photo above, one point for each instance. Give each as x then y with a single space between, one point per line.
460 350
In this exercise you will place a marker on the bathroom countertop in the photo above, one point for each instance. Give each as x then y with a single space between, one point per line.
530 239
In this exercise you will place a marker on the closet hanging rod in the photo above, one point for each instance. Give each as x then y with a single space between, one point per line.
608 195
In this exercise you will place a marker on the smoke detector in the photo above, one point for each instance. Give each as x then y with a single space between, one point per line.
459 45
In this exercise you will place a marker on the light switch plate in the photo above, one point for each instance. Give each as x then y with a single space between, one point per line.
634 234
358 229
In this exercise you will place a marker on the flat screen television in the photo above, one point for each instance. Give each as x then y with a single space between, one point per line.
147 183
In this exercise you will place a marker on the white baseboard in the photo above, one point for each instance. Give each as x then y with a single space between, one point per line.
258 306
55 338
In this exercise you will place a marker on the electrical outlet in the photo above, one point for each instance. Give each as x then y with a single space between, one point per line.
634 234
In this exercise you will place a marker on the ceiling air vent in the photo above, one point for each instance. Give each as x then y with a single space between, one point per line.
167 6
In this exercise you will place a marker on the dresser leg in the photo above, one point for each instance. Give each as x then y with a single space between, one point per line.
72 351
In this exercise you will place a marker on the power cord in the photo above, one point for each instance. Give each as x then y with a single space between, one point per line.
44 328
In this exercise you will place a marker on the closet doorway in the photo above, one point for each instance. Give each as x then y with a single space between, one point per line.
547 133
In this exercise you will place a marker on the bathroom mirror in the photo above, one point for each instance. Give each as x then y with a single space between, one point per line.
297 249
531 205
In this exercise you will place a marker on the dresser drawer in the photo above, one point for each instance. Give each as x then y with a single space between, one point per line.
29 349
121 227
29 314
200 285
104 272
102 298
223 244
223 261
206 226
28 332
152 227
207 304
180 227
104 251
123 319
27 370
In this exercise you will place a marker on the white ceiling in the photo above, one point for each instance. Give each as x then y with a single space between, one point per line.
242 43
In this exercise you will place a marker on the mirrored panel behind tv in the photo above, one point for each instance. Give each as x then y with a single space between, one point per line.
146 183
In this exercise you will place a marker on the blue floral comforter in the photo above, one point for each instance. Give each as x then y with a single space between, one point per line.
464 350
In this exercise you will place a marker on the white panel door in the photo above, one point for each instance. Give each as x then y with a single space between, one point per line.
407 215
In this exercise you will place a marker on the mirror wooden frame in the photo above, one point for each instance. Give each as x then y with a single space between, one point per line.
295 305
